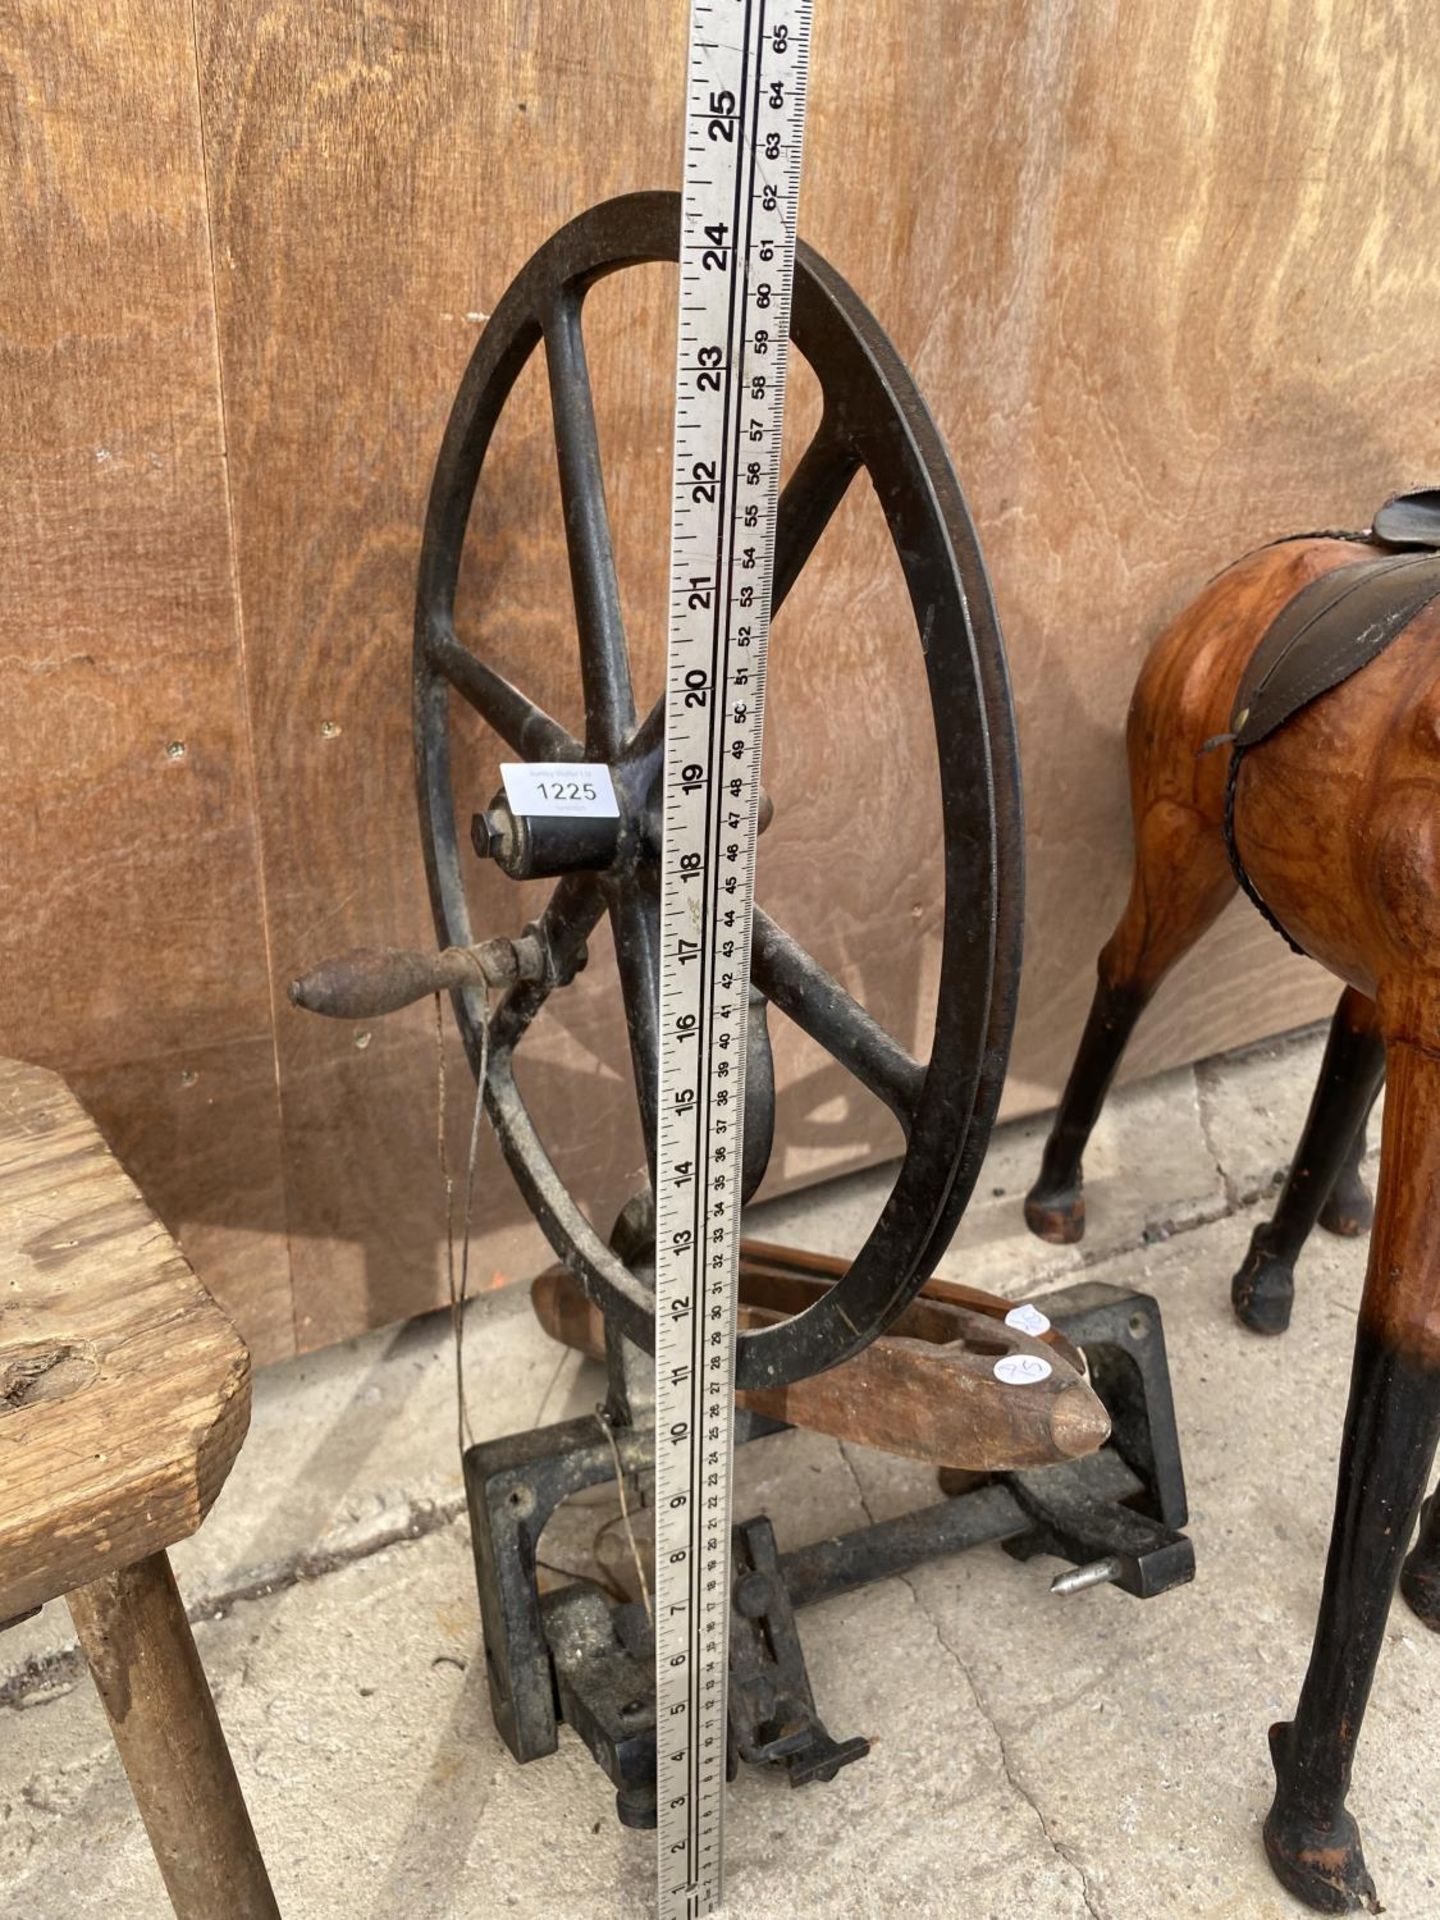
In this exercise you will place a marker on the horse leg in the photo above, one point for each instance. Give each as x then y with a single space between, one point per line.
1391 1427
1350 1075
1348 1209
1420 1579
1181 881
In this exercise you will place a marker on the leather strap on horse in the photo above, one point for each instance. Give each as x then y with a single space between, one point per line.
1332 628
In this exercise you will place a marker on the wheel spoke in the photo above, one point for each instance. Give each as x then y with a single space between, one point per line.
821 1007
604 658
570 916
650 733
812 493
635 921
520 723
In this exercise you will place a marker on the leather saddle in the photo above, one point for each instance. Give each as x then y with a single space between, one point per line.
1332 628
1341 621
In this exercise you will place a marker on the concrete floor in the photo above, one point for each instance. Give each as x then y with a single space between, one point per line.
1092 1757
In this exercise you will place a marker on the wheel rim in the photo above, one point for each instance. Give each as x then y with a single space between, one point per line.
872 417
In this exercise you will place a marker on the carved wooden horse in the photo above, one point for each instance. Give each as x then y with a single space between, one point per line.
1256 759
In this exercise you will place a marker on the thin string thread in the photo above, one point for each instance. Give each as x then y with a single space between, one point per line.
459 1292
602 1417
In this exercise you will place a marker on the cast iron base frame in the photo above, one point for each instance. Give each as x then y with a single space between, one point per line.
574 1655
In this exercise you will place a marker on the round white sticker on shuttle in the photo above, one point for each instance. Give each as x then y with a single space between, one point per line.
1028 1319
1022 1369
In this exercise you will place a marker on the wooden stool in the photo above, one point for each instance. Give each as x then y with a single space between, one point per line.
124 1396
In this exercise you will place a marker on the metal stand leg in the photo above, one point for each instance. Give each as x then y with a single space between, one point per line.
137 1640
513 1486
1351 1073
573 1654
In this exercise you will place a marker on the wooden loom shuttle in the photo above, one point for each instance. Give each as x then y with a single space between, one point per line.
927 1389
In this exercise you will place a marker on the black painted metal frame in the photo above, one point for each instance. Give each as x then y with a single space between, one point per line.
570 1655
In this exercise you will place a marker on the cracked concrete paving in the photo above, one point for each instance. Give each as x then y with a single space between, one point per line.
1006 1759
1096 1757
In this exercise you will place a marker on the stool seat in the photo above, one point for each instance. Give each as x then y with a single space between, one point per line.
124 1390
124 1396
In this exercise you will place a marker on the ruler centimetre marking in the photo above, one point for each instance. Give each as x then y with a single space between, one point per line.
745 113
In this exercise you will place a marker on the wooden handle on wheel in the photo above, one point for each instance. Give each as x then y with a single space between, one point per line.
367 982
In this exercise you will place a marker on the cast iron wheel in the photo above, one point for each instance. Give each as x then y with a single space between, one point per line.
872 417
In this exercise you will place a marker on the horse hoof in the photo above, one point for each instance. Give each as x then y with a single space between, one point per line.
1420 1579
1323 1866
1056 1215
1349 1211
1421 1588
1263 1291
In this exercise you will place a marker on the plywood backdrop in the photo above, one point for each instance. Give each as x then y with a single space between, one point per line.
1168 277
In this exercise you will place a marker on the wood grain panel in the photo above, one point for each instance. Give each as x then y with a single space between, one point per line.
1166 277
132 953
1186 261
377 176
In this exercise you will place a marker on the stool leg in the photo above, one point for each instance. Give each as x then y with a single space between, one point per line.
134 1633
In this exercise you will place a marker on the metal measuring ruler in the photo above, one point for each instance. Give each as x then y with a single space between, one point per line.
745 111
